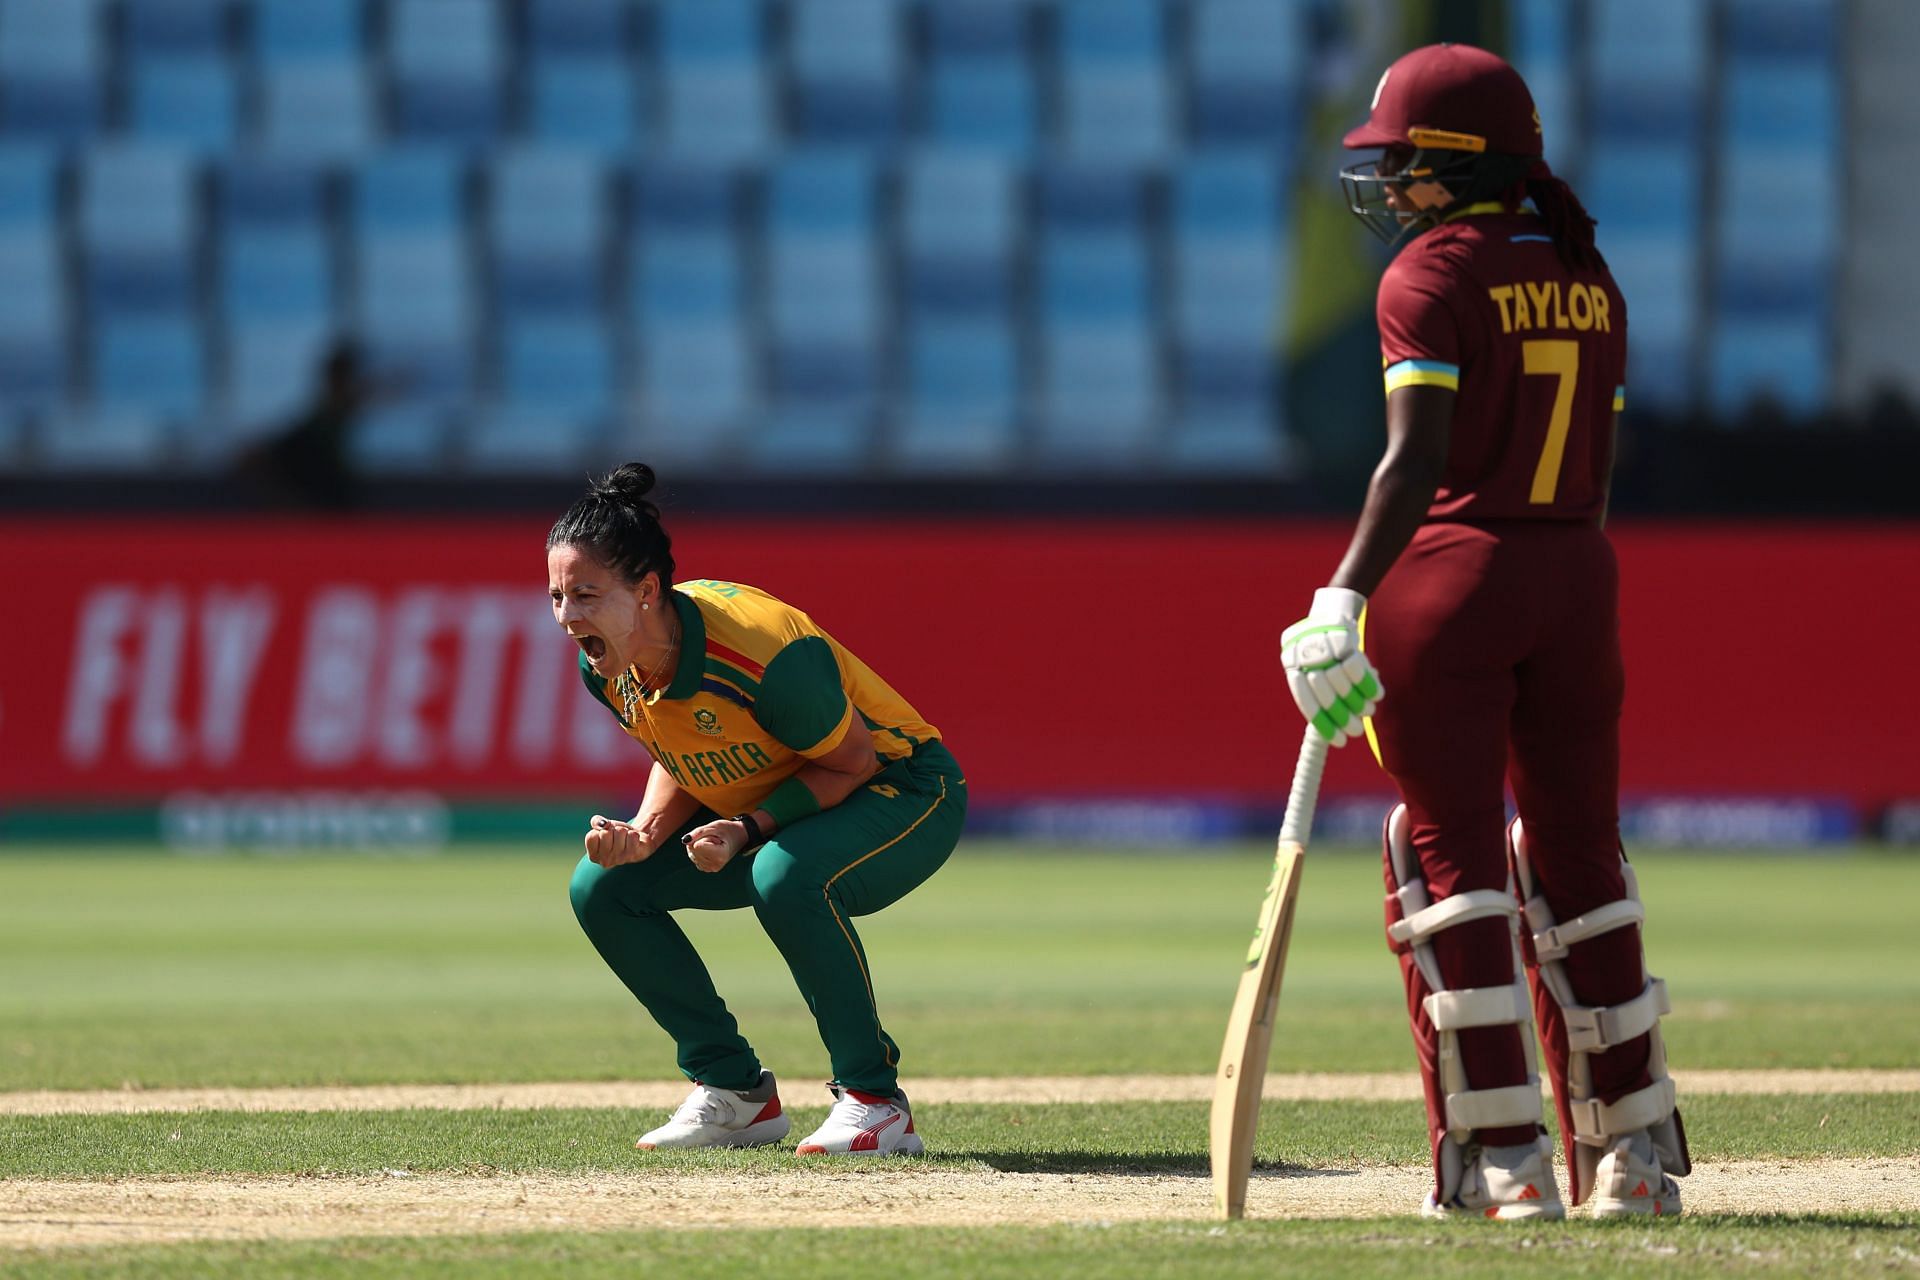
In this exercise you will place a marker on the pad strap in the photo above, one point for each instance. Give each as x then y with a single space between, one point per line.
1479 1007
1552 942
1477 904
1591 1029
1494 1108
1598 1122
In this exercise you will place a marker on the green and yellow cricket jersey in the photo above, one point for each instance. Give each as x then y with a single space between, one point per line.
759 690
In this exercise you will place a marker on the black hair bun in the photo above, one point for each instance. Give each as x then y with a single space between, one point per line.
630 482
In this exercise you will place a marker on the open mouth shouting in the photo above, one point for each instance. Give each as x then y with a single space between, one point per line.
593 646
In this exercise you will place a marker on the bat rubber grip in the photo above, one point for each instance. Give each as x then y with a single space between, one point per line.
1301 800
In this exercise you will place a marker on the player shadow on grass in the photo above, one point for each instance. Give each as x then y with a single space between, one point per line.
1116 1166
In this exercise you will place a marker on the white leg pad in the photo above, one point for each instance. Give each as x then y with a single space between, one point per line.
1454 1010
1593 1029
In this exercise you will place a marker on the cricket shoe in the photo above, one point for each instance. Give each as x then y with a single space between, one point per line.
1509 1183
865 1124
1630 1181
723 1118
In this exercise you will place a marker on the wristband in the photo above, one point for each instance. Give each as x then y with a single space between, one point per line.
755 836
790 802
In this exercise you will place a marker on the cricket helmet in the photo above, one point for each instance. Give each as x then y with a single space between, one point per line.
1446 114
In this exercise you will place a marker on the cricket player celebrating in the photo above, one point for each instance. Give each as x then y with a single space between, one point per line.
1492 653
787 777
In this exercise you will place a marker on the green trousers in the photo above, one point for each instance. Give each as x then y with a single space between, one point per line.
806 885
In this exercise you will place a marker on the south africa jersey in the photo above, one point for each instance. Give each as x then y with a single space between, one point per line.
1537 353
758 691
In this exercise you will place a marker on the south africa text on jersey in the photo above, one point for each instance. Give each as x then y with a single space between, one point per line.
712 768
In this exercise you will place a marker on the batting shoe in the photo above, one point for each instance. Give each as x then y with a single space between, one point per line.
1630 1181
865 1124
1509 1183
723 1118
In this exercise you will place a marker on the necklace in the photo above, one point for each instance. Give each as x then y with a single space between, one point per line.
634 692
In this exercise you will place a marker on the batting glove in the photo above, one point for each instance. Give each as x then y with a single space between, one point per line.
1331 680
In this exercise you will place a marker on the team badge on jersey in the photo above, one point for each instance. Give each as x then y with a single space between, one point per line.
707 722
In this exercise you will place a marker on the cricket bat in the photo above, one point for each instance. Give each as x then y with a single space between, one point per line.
1243 1057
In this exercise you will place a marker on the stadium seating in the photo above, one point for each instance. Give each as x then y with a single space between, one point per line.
821 235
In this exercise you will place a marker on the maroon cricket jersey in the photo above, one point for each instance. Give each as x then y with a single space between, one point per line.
1536 351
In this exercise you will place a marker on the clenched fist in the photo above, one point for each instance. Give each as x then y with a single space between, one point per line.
613 843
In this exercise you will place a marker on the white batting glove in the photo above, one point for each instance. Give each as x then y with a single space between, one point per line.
1331 680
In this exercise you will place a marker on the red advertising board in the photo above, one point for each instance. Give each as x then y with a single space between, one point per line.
1061 658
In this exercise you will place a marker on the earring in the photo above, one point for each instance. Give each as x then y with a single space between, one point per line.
644 605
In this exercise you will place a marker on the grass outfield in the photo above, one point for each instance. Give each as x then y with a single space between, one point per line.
150 970
1840 1246
157 971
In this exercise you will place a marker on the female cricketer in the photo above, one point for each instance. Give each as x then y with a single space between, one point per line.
1485 593
787 777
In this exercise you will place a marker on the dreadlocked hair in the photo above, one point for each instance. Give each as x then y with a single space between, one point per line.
1567 220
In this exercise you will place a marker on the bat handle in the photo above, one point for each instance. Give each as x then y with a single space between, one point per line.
1295 827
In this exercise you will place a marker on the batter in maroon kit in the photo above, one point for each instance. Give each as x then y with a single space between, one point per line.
1492 654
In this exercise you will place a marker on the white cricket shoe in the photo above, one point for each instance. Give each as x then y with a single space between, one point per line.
1629 1180
1510 1183
865 1124
723 1118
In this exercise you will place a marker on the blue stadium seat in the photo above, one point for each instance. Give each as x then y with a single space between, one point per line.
1643 187
959 220
414 285
806 442
823 270
265 191
1780 102
276 275
1777 244
686 195
51 63
590 104
1099 397
1807 29
401 440
153 365
320 110
1227 246
697 385
447 65
685 278
846 60
34 366
308 31
1659 275
588 30
1122 31
561 366
189 29
979 29
191 102
1237 445
271 366
548 228
1113 79
1784 360
825 395
717 112
1091 197
1249 70
28 186
102 439
718 106
1118 113
1648 63
988 105
963 398
519 440
409 189
1226 381
139 228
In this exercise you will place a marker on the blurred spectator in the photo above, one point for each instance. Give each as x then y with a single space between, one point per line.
305 464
